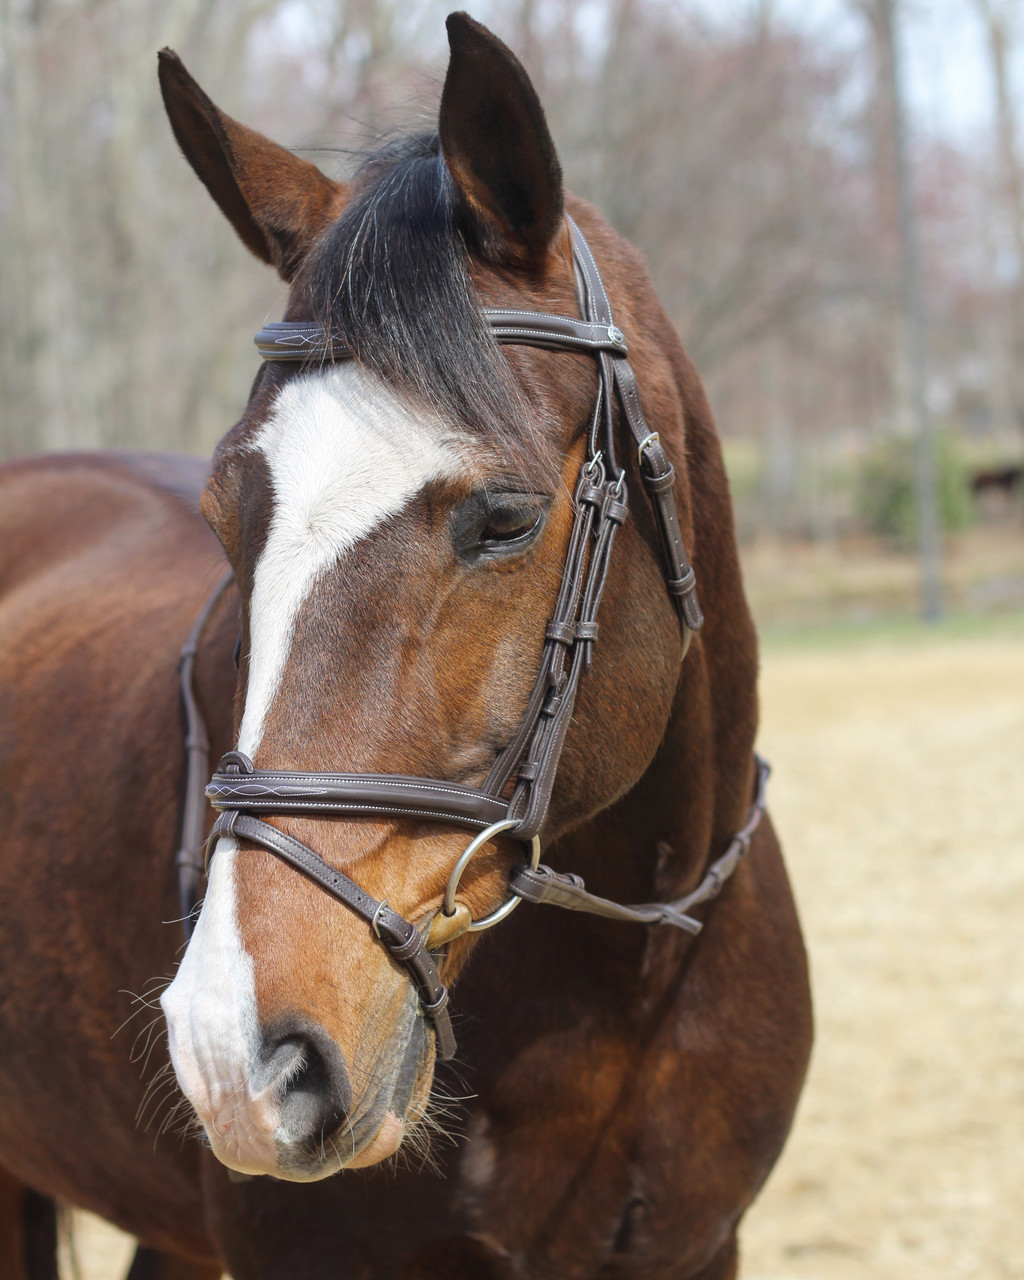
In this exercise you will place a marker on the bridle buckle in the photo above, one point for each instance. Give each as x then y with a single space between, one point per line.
649 439
381 907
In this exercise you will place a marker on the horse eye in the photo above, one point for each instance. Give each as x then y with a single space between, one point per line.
510 525
494 524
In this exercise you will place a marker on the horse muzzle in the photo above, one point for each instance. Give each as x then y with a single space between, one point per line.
282 1097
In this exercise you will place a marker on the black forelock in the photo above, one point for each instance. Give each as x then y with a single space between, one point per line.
392 275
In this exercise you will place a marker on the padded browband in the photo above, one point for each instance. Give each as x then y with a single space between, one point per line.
305 341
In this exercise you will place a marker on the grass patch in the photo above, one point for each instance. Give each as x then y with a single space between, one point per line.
905 630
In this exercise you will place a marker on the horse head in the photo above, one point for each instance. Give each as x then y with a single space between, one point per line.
398 526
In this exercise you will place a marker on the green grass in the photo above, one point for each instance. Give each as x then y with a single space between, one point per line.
895 630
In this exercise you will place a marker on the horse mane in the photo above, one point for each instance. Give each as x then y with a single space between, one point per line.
392 275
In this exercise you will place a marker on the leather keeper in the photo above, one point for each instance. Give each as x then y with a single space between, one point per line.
403 950
685 591
432 1010
553 701
660 481
681 586
560 632
614 510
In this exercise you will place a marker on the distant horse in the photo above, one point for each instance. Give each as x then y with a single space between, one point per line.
1005 480
419 514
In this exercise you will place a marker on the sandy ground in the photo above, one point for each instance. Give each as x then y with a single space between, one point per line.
899 795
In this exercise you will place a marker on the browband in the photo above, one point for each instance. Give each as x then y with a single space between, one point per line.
307 342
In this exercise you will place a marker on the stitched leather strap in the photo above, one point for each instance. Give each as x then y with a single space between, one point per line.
189 857
541 884
656 471
301 340
237 784
569 891
399 935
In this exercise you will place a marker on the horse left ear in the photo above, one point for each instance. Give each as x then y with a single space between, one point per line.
496 143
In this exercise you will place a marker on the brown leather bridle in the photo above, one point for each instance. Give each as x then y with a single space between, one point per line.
515 798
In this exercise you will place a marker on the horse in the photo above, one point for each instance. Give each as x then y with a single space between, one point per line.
415 525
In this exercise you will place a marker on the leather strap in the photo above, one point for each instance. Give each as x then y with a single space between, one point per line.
541 884
189 858
567 890
302 340
402 939
656 471
236 784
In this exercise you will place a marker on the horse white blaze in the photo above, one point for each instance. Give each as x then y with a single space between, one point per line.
343 454
213 1030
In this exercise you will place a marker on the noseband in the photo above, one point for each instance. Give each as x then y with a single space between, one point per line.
514 800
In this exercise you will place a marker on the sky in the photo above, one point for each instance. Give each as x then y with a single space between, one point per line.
945 62
947 83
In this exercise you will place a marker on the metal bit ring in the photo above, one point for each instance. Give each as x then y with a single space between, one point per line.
478 841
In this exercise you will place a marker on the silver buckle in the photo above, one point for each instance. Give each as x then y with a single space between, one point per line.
376 915
645 443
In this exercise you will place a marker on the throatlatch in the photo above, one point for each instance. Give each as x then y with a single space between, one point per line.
515 798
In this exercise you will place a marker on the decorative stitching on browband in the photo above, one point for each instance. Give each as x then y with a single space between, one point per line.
253 789
299 338
367 780
533 315
343 806
591 344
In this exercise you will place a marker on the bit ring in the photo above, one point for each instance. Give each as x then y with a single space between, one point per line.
477 843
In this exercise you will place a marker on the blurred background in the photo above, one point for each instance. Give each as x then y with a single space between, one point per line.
749 148
752 150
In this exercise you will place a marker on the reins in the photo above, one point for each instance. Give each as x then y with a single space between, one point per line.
514 799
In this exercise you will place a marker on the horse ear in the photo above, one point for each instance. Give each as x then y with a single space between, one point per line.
496 143
277 203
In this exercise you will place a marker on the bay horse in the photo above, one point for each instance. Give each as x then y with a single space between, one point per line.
401 519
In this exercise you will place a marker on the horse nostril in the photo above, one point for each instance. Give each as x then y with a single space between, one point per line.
311 1080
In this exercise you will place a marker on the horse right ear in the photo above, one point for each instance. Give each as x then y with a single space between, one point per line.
277 203
496 143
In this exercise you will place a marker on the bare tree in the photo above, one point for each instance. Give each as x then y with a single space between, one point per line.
125 300
738 151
